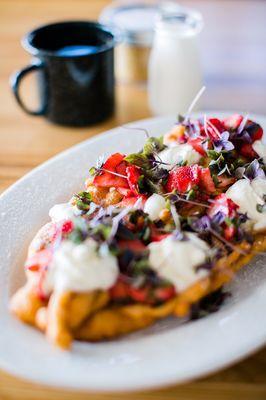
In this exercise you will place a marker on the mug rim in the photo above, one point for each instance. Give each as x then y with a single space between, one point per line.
35 51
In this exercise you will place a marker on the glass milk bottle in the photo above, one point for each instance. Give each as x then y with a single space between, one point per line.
174 67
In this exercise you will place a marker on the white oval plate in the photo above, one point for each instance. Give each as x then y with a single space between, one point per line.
167 353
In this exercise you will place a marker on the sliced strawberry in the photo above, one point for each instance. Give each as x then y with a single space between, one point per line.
197 145
113 161
121 168
140 295
133 174
109 180
67 226
183 178
229 232
41 259
217 123
224 205
119 290
247 151
255 130
164 293
134 245
156 235
214 127
257 134
122 290
159 237
116 165
233 122
206 181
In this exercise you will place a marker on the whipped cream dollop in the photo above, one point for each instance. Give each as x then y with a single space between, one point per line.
154 205
260 149
81 268
247 194
63 211
177 261
179 153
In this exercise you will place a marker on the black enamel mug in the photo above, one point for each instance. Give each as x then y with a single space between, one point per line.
75 61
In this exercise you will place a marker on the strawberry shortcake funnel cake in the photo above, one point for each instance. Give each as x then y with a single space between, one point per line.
153 234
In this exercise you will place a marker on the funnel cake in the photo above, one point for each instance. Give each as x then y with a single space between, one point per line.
153 234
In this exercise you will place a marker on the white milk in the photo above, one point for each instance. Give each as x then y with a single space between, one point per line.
174 68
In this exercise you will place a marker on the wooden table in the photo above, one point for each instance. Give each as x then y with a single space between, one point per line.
234 61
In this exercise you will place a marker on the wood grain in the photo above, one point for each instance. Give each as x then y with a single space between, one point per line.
234 62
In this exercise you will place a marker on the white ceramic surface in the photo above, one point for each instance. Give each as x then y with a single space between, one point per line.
167 353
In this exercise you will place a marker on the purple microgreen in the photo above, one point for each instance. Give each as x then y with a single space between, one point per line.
243 124
192 128
178 235
180 119
138 204
214 128
261 208
254 170
102 212
205 224
175 216
135 128
152 146
223 143
82 201
202 224
222 239
194 101
244 131
112 173
159 161
191 195
242 218
208 265
100 161
240 172
225 169
218 218
116 220
244 136
209 304
93 208
97 170
205 144
175 197
205 125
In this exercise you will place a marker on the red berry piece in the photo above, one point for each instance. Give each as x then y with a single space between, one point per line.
247 151
183 178
133 174
197 145
116 164
67 226
233 122
224 205
206 181
41 259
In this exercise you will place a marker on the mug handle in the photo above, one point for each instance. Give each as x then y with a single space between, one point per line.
15 81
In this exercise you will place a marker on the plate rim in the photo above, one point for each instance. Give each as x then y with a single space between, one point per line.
140 387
